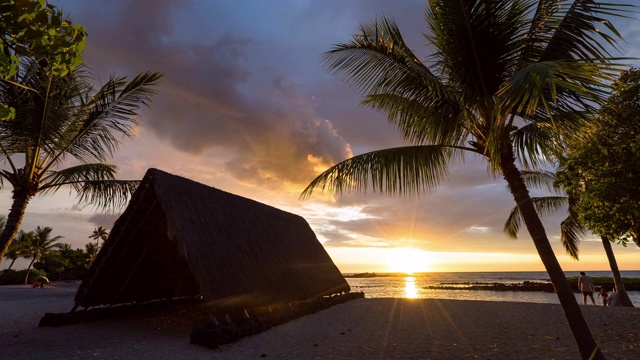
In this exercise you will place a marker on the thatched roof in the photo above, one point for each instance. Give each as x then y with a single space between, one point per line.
181 238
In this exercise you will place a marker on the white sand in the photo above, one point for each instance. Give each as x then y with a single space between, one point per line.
359 329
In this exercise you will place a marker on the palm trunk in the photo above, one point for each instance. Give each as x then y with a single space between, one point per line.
617 279
26 278
585 341
14 219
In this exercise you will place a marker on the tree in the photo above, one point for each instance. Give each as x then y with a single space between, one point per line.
16 251
65 249
65 118
605 168
36 29
508 81
99 234
91 250
571 229
37 243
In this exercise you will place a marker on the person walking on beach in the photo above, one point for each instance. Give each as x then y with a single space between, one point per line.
603 292
586 286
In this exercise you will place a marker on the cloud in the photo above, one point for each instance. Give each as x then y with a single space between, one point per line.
214 98
104 220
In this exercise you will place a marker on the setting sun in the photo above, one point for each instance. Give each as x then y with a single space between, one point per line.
407 260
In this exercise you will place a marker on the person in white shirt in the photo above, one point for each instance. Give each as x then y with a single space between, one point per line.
586 286
613 298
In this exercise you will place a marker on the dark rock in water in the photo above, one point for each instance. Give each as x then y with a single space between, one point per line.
524 286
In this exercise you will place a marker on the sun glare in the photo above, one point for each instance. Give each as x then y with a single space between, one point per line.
407 260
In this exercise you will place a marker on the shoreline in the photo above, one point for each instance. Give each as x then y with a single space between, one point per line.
359 329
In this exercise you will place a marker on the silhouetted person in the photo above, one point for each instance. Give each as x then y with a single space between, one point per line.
586 286
603 292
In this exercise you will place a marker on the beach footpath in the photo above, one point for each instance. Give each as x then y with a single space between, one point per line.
359 329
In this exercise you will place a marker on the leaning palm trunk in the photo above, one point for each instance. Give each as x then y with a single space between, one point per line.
587 345
20 202
26 278
617 279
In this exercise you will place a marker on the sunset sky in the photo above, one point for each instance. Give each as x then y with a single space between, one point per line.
245 106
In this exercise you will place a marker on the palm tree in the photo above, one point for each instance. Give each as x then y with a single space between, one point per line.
37 243
16 251
62 117
91 250
571 229
508 80
65 249
99 234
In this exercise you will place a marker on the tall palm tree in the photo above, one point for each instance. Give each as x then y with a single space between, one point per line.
571 229
507 81
63 117
37 243
99 234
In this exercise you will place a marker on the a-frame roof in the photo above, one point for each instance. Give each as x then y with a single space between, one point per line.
181 238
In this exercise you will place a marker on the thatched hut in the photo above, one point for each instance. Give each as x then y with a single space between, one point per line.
179 238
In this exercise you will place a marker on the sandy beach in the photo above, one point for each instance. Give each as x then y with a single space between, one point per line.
359 329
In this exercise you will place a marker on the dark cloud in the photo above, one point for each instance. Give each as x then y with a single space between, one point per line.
214 97
104 220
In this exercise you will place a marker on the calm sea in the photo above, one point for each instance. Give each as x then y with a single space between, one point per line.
413 286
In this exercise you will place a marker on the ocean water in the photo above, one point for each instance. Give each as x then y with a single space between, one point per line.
413 286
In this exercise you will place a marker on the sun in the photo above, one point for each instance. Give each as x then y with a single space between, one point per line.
407 260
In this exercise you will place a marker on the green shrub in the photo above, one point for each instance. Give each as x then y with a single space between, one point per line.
14 277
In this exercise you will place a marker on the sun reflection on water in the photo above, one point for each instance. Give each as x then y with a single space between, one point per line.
410 288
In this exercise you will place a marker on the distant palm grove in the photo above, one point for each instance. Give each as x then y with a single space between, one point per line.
48 256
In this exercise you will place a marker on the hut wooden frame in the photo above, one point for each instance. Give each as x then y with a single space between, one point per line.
178 238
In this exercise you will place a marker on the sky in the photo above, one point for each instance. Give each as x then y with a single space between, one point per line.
246 106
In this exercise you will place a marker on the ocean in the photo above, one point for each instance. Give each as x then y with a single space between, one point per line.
413 286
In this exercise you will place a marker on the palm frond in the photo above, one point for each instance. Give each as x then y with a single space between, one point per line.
579 30
75 176
477 44
95 184
544 206
439 121
571 230
512 225
378 61
404 170
540 179
110 112
109 194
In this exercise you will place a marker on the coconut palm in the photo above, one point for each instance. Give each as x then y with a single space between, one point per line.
507 81
16 251
65 249
91 251
99 234
59 118
36 244
571 229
